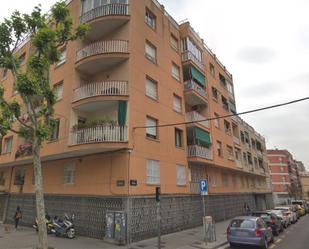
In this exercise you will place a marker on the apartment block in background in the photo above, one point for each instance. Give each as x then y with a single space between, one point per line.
137 68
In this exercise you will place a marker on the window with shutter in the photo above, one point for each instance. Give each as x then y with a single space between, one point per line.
151 88
181 175
153 172
58 89
175 71
151 52
151 130
177 103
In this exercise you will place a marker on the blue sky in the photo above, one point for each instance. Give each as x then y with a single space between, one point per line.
265 45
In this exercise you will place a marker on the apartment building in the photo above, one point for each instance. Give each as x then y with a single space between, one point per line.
304 182
284 175
137 69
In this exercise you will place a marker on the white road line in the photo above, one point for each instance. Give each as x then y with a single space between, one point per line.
272 246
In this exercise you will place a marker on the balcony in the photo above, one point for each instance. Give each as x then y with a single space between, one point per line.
188 56
195 94
236 140
199 151
104 88
99 134
238 163
105 18
195 116
102 55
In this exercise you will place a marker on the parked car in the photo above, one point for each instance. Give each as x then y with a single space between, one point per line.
294 210
271 220
300 210
282 216
289 212
302 204
249 230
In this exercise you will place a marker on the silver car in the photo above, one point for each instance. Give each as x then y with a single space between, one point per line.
249 230
282 216
289 211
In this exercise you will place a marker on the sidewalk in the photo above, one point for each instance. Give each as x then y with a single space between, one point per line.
25 238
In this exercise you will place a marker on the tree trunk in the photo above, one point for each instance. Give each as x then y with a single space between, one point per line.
39 195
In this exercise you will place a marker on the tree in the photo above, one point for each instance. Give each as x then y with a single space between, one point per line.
30 114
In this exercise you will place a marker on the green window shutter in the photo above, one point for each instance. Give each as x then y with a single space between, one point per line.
202 135
122 112
197 75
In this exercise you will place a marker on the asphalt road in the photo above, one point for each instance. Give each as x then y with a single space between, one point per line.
295 236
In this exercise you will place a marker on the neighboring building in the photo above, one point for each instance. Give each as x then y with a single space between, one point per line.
304 181
136 68
284 175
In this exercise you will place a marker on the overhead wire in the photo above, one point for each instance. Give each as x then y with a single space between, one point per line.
224 116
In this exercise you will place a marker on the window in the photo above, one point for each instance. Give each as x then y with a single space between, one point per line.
8 143
151 131
2 178
225 103
58 89
62 57
227 127
249 158
69 173
225 180
242 136
178 137
234 180
214 93
175 71
150 19
189 45
174 42
19 177
55 133
5 73
230 87
151 88
283 179
219 149
217 121
151 52
222 80
238 154
22 59
153 172
253 143
213 179
244 155
256 164
282 169
177 103
212 69
230 153
181 175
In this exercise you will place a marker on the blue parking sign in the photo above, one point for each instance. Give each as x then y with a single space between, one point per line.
204 187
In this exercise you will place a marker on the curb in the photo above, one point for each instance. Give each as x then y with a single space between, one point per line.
221 244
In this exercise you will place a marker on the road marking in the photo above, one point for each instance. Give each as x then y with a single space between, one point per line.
278 240
272 246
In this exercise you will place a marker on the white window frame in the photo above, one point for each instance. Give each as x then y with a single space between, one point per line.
151 52
62 58
181 175
153 172
151 87
174 42
58 90
175 71
7 148
150 19
177 103
151 132
69 174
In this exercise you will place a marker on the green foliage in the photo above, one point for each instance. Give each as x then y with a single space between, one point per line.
48 34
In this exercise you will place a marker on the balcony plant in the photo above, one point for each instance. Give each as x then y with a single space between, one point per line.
94 124
24 150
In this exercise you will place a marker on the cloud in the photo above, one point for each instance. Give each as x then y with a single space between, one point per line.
257 55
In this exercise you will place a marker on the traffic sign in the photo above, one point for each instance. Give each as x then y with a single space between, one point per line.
204 187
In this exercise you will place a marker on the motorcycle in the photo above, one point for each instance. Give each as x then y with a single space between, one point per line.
64 228
49 224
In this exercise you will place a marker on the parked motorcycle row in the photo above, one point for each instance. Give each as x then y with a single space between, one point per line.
59 227
259 228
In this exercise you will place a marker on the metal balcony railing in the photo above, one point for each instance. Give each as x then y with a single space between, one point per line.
195 116
104 88
99 134
103 47
116 9
187 56
191 85
199 151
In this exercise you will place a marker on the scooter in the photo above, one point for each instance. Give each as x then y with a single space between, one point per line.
49 224
64 228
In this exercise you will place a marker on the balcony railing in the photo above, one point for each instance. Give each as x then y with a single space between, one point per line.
99 134
187 55
105 88
115 9
199 151
236 140
195 188
191 85
195 116
103 47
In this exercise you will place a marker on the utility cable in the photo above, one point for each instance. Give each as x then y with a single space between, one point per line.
225 116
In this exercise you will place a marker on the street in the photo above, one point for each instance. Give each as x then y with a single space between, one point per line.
294 237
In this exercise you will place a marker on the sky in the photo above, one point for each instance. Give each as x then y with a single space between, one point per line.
265 45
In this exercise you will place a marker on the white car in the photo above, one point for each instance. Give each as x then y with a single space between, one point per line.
288 210
281 214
